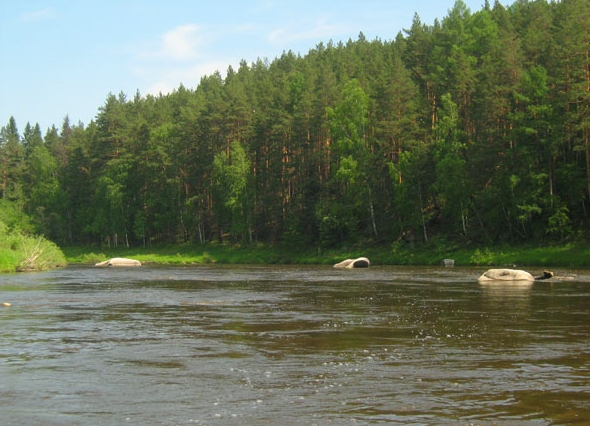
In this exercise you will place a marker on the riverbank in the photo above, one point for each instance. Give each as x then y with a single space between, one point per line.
20 252
567 255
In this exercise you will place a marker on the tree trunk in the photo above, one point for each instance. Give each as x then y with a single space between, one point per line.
424 232
372 211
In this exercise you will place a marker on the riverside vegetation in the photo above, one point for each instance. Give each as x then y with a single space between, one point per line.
20 249
457 139
566 255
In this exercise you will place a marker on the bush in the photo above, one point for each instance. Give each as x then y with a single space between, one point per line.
482 257
22 252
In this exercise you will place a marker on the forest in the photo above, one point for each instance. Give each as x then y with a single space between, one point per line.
473 129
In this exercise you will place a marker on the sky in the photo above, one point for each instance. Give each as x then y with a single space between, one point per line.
62 58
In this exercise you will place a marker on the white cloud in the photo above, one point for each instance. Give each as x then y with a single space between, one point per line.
183 54
37 15
180 44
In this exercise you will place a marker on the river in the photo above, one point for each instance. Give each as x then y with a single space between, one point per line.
292 345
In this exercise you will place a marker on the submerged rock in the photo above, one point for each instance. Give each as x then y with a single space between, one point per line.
546 275
119 261
448 263
359 262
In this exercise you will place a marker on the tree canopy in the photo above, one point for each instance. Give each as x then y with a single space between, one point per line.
475 128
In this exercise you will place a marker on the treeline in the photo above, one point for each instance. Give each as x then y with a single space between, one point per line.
475 128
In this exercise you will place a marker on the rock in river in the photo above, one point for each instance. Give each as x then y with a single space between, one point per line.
119 261
505 275
360 262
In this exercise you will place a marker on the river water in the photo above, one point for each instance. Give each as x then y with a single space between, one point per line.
292 345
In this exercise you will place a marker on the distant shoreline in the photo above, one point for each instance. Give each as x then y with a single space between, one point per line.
567 255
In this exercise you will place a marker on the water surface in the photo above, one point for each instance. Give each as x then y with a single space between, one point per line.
295 345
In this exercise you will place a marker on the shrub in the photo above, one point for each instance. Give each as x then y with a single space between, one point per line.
22 252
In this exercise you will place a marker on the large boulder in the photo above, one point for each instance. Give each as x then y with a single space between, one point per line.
119 261
505 275
359 262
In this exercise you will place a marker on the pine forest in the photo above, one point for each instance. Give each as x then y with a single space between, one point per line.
473 129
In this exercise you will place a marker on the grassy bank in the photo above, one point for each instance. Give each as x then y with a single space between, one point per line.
21 252
568 255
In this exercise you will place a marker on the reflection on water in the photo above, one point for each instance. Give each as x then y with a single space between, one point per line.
292 346
503 297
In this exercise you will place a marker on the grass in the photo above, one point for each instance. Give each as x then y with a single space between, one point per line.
195 254
19 252
8 260
566 255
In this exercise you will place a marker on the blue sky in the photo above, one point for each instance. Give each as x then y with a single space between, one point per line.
63 57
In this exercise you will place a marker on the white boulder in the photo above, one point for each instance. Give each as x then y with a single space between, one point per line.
505 275
359 262
119 261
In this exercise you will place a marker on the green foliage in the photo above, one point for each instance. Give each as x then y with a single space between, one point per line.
482 257
13 218
22 252
451 179
349 120
570 255
559 223
232 175
38 254
473 130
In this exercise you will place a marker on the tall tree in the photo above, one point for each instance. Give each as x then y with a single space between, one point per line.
233 184
451 181
573 22
12 155
32 137
45 195
348 128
